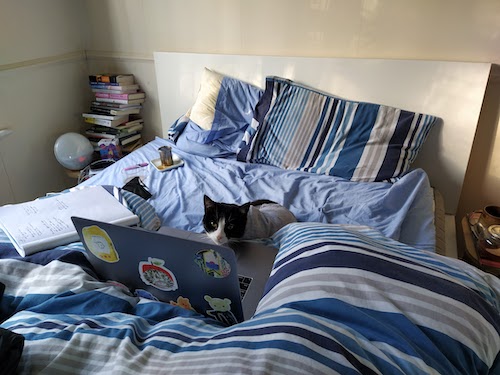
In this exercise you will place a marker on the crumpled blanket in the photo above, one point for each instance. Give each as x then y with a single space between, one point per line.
11 347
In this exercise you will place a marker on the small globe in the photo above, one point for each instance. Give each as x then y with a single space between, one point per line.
73 151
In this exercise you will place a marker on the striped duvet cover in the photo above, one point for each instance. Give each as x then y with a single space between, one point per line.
340 299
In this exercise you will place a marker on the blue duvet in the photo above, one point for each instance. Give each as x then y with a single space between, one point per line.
402 211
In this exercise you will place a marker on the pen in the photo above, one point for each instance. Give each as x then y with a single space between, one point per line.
140 165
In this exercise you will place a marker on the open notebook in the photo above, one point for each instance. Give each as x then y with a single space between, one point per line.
46 222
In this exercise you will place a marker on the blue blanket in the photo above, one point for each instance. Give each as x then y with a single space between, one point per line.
340 299
402 211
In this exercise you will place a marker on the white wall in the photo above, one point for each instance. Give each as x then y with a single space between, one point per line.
129 31
42 77
123 34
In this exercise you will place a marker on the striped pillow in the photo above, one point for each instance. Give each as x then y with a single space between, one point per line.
299 128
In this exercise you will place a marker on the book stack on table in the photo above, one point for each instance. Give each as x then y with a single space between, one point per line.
115 114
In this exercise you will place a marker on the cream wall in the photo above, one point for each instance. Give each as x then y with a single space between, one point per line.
456 30
42 77
123 34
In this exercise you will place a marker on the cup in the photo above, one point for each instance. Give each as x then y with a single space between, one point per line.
166 156
490 215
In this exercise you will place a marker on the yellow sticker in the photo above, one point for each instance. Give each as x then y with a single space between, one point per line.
100 244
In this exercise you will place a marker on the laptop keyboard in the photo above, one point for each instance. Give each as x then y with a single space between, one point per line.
245 282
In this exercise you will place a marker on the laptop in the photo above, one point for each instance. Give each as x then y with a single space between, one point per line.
177 267
254 259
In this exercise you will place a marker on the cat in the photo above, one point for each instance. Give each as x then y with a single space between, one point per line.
225 222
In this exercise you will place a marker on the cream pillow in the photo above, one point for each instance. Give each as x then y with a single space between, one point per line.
203 111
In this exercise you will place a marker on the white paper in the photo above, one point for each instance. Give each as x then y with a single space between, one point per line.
46 223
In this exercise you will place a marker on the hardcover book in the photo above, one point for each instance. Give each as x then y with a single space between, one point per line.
113 87
106 117
96 134
127 96
104 122
118 111
130 123
102 103
129 139
106 91
121 101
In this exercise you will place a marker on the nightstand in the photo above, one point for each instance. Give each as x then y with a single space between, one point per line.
469 250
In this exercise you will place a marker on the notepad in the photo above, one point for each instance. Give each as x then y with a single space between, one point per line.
46 223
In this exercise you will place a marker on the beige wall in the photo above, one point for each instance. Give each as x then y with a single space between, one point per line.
42 77
122 35
460 30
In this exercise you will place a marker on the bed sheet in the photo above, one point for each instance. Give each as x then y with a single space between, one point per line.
340 299
402 211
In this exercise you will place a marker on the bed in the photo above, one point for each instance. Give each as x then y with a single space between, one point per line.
356 286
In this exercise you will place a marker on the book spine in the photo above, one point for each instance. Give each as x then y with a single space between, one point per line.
112 86
99 135
103 84
126 140
102 111
108 91
99 121
110 78
114 112
111 96
105 117
127 96
118 106
116 101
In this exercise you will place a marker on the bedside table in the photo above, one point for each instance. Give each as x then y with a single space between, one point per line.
470 254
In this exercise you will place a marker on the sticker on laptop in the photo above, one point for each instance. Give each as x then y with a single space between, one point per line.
221 310
155 274
183 302
99 243
212 263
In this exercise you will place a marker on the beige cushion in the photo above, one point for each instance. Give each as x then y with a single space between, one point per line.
203 111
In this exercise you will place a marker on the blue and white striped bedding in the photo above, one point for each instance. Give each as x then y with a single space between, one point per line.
296 127
340 299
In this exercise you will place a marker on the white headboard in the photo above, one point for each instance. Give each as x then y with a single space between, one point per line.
453 91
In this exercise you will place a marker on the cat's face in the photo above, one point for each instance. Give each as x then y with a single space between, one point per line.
223 221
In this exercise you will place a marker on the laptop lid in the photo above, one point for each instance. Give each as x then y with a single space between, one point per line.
195 275
254 259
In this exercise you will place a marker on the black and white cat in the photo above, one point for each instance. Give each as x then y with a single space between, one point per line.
224 222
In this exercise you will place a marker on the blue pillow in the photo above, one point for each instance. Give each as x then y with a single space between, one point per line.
299 128
222 111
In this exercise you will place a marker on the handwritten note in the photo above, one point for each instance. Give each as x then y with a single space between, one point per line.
45 223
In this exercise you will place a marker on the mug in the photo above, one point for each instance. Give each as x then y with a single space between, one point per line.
490 215
166 156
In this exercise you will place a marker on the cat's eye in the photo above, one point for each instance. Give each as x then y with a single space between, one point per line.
213 224
230 226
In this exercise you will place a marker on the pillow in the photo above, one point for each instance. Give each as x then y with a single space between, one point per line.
299 128
203 110
222 111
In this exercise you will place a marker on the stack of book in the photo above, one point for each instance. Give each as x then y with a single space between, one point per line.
115 112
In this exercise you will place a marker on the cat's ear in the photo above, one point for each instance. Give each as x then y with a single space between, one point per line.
208 202
244 208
